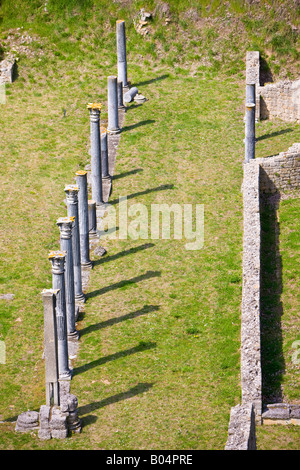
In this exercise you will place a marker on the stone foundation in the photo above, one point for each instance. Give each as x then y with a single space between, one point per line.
55 422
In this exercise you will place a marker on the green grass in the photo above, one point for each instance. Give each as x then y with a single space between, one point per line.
158 365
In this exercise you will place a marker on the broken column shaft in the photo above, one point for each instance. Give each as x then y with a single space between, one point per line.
96 171
57 259
72 208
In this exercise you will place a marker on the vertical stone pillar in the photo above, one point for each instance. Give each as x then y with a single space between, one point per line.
72 208
96 172
121 52
57 259
83 214
65 225
50 347
120 95
112 103
92 219
104 153
250 123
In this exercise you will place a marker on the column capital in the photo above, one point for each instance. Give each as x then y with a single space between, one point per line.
95 110
57 259
65 225
71 191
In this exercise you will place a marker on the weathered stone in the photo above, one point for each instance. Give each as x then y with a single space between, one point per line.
112 104
7 296
241 430
58 424
7 70
27 421
130 94
44 431
121 52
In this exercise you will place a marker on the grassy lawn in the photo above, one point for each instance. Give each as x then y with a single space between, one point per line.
158 365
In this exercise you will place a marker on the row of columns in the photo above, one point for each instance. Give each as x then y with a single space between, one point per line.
76 229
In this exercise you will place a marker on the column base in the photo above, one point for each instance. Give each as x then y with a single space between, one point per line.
87 265
114 131
74 336
80 298
93 234
66 376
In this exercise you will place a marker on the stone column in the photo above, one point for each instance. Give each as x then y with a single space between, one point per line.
121 52
65 225
96 171
112 103
72 208
50 347
81 179
250 123
130 94
104 153
92 219
57 259
120 95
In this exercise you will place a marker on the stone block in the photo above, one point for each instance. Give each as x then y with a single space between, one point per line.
27 421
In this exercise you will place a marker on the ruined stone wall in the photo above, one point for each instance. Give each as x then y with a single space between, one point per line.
251 379
280 100
241 430
280 174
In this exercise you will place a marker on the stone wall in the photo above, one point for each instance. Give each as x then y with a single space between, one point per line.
279 174
241 430
251 380
7 67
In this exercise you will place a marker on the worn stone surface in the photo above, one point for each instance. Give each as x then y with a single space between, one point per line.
58 423
27 421
44 431
281 413
281 173
7 70
241 430
251 379
7 296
